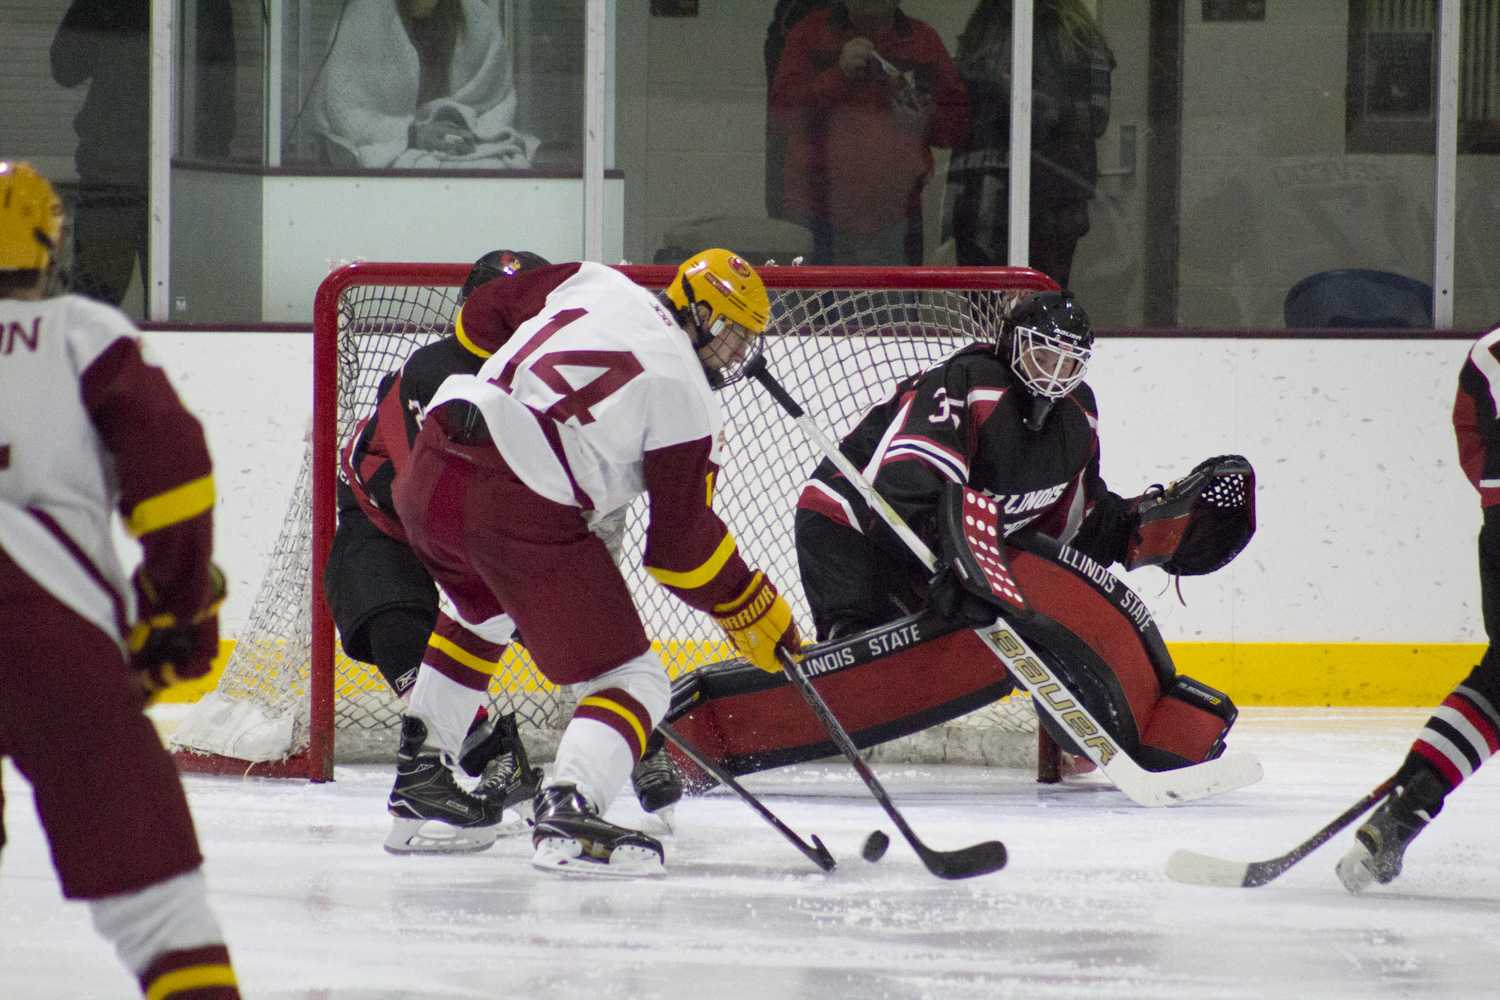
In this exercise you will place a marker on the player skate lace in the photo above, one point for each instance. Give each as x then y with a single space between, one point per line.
499 774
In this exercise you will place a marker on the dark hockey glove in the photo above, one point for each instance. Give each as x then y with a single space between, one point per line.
950 599
1197 524
164 648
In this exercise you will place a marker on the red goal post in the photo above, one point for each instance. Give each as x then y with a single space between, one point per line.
290 703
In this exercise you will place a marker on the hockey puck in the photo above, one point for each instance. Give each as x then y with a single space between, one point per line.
875 845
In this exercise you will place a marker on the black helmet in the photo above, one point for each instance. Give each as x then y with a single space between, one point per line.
1048 341
496 263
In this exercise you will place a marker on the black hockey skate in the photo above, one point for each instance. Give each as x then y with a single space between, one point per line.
1380 844
495 754
430 813
570 836
655 779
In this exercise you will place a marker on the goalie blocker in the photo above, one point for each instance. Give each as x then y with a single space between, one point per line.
922 670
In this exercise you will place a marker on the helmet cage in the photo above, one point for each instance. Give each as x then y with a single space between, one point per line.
1050 364
706 336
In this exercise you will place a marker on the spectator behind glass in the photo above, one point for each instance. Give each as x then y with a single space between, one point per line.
1070 109
863 91
418 83
107 43
783 20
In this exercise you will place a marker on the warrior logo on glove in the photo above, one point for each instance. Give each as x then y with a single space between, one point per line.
759 622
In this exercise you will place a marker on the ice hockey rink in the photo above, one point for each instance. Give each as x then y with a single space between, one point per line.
315 909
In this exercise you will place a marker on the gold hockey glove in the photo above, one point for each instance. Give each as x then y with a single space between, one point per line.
759 622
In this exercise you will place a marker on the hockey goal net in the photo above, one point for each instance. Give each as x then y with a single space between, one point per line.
290 702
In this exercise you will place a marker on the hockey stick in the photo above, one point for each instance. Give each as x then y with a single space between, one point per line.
815 851
1205 869
967 862
1048 691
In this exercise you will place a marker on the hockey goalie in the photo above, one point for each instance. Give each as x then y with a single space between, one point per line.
1011 421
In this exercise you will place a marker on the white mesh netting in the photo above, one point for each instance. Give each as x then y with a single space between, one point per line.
837 350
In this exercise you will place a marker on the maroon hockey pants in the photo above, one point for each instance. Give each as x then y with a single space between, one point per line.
495 546
106 790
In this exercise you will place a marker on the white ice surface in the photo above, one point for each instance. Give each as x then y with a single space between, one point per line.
314 909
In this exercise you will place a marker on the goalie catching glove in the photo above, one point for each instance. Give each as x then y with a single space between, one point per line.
1197 524
166 649
759 622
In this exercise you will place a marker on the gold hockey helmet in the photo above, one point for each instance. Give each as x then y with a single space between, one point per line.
30 218
738 310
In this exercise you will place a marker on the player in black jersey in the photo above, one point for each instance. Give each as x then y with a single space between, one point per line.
381 597
1013 418
1464 731
385 604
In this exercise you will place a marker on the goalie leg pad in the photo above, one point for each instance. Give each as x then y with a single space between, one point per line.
1097 635
1187 725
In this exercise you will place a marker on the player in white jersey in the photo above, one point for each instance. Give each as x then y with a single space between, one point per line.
88 427
603 393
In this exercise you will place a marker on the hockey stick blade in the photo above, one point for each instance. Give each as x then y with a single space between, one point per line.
967 862
1192 868
816 852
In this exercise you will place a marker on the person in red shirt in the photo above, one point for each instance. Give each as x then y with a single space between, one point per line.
863 92
1464 731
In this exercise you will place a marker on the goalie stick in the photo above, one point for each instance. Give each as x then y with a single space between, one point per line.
1193 868
815 851
1048 691
966 862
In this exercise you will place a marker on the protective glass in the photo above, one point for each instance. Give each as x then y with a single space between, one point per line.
1051 366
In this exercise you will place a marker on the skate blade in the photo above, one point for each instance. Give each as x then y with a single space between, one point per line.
1354 871
665 821
514 821
419 836
566 856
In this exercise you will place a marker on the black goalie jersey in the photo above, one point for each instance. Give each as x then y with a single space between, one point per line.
376 452
963 421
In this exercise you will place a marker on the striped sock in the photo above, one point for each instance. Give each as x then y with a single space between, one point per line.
1462 734
191 974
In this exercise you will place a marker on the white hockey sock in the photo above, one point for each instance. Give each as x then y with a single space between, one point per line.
171 915
603 740
446 706
592 756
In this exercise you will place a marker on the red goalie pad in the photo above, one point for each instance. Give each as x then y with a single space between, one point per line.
1094 632
920 671
882 684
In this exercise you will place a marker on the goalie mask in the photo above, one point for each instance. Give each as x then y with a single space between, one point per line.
31 219
1048 341
721 303
498 264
